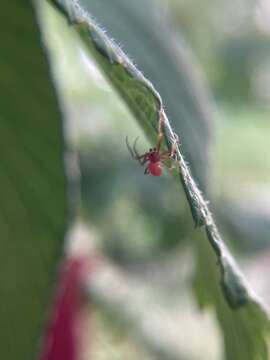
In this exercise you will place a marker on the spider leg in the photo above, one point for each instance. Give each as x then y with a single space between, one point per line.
146 171
160 133
129 148
173 150
176 142
170 168
142 159
135 150
170 154
166 155
174 138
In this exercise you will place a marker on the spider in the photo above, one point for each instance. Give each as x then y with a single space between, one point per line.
154 158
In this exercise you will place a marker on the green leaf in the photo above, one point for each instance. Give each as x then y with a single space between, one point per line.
147 106
245 329
144 36
33 199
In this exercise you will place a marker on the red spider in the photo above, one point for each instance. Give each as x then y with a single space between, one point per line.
154 157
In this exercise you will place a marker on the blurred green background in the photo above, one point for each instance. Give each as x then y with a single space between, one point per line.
137 221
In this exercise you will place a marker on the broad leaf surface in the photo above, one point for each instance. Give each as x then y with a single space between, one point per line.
33 205
246 329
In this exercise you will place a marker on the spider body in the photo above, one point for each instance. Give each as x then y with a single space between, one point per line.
155 168
151 158
154 159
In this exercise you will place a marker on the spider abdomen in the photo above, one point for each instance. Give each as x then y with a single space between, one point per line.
155 168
